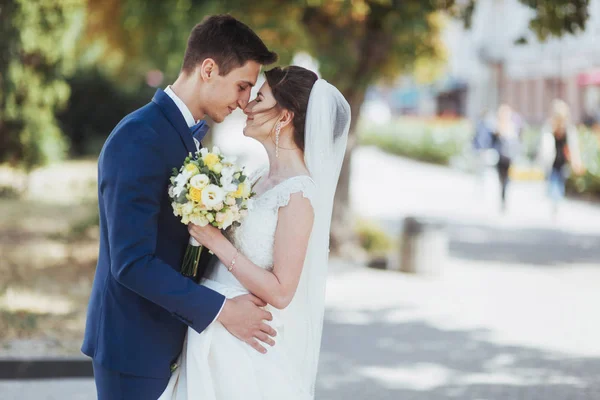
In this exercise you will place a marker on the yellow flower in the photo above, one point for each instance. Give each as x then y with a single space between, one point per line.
210 160
192 168
195 194
242 191
217 168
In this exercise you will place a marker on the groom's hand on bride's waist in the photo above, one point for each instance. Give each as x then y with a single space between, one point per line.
244 319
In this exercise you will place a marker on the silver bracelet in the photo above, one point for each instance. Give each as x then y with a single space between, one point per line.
232 263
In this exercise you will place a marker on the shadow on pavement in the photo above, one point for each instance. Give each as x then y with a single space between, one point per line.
535 246
412 360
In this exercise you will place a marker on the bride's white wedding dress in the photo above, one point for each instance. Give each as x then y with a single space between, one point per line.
215 365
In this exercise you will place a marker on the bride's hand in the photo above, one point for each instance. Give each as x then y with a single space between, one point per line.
205 235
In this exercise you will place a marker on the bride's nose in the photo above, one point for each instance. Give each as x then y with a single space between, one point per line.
248 108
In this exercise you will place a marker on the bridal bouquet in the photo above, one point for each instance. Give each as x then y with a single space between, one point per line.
208 189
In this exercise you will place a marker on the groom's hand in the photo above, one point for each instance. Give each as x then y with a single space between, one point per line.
243 318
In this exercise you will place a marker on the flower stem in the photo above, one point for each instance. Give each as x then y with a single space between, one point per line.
190 260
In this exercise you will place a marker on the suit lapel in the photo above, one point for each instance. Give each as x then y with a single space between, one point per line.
170 110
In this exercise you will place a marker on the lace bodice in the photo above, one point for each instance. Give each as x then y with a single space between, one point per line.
255 237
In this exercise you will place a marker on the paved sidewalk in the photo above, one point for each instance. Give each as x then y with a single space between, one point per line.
494 332
512 316
478 331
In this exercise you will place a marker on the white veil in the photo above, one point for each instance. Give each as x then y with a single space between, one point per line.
326 136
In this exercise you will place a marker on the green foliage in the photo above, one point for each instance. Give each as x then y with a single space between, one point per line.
38 44
96 105
557 17
588 183
434 141
549 18
356 42
373 239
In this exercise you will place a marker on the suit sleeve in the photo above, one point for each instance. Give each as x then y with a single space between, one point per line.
133 175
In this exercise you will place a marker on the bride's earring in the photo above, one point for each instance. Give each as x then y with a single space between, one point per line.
277 130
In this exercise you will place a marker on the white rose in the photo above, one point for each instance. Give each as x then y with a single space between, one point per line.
199 181
199 220
203 151
224 219
212 195
228 219
230 200
187 208
216 150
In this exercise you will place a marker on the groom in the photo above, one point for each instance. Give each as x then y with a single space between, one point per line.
140 305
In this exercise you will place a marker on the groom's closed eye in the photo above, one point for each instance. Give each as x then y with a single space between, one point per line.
245 85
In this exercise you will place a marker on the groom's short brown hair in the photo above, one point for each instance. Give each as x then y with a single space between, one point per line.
226 40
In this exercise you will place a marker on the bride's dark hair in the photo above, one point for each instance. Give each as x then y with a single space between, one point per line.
291 87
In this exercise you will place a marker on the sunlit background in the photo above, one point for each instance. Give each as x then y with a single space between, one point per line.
438 289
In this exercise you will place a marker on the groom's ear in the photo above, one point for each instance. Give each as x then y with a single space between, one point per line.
208 69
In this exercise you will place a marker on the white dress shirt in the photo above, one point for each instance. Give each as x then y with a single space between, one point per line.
189 119
185 111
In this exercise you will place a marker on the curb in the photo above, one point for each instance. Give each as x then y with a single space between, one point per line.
46 368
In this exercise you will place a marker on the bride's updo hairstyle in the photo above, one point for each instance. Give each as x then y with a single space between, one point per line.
291 87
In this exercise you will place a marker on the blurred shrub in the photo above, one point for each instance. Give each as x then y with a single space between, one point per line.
373 239
9 192
37 51
96 106
587 184
430 140
530 143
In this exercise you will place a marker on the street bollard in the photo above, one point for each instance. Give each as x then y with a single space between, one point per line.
424 247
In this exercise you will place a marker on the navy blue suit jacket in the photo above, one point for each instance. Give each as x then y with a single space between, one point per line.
140 304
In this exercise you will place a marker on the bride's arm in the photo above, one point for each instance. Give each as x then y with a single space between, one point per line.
275 287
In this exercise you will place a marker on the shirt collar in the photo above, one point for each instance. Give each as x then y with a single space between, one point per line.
185 111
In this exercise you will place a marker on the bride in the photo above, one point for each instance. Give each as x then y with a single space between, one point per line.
279 253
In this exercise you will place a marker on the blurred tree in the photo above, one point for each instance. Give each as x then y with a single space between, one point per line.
96 105
37 48
356 42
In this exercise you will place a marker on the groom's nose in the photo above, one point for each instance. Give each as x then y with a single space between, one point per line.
243 100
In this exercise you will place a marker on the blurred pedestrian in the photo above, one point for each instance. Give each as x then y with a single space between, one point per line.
483 131
559 152
505 140
483 156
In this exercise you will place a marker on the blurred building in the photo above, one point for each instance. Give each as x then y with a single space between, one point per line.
500 60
